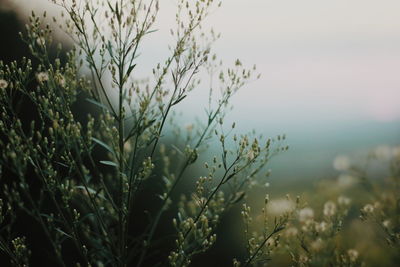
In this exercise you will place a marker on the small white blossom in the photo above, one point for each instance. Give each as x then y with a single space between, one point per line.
42 77
303 258
321 227
353 254
60 80
40 41
3 84
270 242
329 208
341 163
386 223
280 206
250 155
368 208
127 147
306 214
291 232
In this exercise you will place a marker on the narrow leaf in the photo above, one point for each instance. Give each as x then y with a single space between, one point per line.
109 163
62 164
109 5
238 197
109 48
179 100
64 233
101 143
177 150
151 31
130 69
97 103
91 191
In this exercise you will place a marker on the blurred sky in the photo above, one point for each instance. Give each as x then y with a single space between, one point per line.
321 60
330 70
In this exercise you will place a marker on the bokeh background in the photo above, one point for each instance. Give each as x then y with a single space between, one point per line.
330 76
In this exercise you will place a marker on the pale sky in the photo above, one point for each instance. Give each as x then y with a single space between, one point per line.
335 59
319 60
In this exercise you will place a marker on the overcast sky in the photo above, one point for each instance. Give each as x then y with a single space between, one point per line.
320 60
338 59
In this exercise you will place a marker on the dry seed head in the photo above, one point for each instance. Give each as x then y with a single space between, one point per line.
353 254
3 84
280 206
341 163
306 214
42 77
368 208
329 208
60 80
386 224
321 227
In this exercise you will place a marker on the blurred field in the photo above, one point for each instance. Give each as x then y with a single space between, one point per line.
366 191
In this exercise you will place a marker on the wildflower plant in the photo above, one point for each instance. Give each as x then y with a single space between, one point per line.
260 246
383 208
294 233
80 177
380 207
311 238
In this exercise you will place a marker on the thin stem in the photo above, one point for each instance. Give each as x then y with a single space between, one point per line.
121 63
277 229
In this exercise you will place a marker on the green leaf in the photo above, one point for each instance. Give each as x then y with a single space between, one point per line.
109 163
177 150
64 233
117 12
97 103
166 180
111 8
238 197
151 31
130 69
91 191
179 100
109 48
88 178
62 164
101 143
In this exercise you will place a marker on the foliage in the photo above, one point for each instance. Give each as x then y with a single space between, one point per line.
81 178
